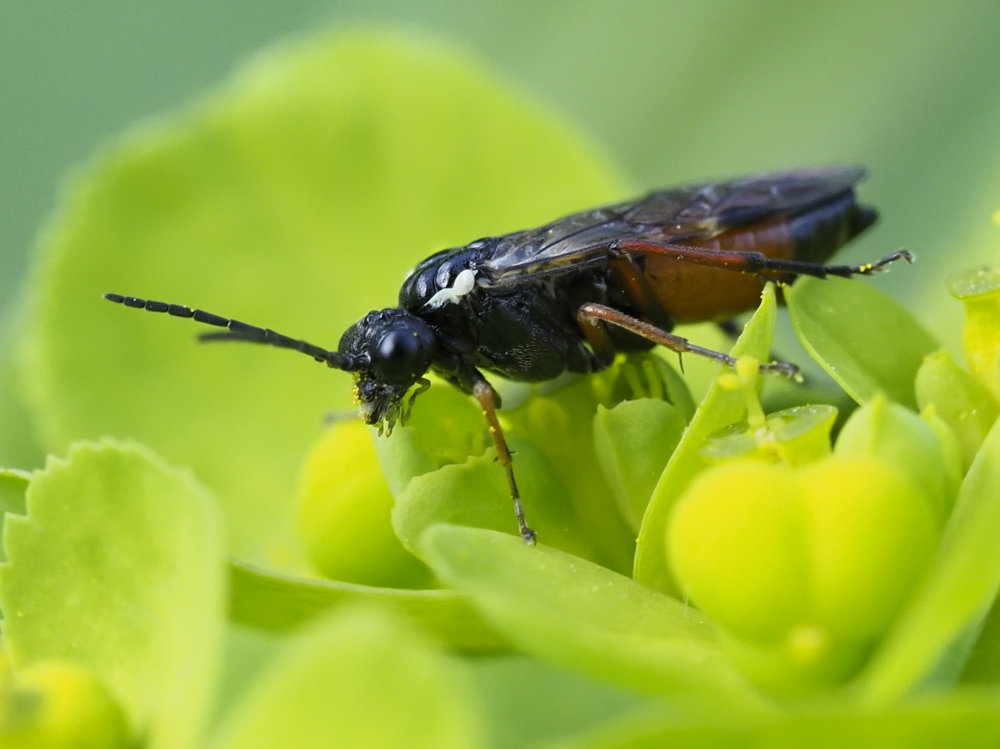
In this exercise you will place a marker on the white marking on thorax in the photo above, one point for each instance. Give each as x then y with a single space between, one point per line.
464 283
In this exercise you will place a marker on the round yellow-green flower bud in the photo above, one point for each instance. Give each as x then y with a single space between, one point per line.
59 705
344 513
927 455
804 567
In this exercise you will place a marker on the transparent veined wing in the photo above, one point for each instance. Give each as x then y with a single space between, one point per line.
675 215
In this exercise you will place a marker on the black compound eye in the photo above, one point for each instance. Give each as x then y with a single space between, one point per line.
400 355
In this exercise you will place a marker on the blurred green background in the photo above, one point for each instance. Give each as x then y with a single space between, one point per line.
676 90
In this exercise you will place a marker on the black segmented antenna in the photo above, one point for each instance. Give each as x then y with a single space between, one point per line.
240 331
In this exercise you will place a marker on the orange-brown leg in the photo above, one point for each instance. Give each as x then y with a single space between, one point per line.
592 314
489 401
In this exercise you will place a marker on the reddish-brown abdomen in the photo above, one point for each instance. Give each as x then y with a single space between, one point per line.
697 293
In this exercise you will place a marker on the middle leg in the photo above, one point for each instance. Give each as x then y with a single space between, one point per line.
593 315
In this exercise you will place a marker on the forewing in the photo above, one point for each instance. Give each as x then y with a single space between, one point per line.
568 242
665 216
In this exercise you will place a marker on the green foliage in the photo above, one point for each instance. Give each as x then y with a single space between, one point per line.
926 455
344 510
12 487
979 291
968 720
622 437
118 565
957 594
619 631
275 602
719 408
878 352
805 567
360 678
958 399
59 705
313 183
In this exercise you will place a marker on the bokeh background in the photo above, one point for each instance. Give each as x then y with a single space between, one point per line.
675 90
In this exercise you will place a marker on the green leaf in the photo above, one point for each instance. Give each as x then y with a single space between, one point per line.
958 398
957 594
796 436
983 663
960 719
559 428
446 426
865 340
13 485
529 702
281 603
979 292
297 198
720 408
119 565
633 441
568 611
476 494
360 678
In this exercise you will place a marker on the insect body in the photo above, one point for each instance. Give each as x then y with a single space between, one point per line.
571 294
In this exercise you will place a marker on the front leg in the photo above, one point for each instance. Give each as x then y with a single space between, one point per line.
489 401
470 380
